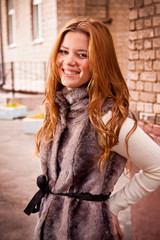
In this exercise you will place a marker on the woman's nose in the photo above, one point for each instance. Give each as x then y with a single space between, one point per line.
70 59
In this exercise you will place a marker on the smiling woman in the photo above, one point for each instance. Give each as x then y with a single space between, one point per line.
72 60
87 136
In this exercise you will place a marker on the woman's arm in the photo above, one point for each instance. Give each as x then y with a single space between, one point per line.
145 154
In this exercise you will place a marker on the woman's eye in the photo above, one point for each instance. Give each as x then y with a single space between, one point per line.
63 52
83 55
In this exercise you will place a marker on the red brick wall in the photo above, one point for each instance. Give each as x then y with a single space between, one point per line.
119 12
68 9
144 59
152 129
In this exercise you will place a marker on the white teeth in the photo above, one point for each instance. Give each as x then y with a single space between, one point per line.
69 72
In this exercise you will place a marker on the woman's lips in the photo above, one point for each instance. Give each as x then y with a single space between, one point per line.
70 72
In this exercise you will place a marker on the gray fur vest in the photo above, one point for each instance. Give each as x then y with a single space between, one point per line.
70 166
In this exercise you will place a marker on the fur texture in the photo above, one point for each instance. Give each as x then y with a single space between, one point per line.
70 166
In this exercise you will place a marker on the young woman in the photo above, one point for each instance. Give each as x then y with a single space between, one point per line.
87 135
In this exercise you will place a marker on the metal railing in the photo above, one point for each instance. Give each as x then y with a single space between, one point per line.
28 77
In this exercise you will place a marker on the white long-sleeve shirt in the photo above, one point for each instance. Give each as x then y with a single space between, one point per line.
145 154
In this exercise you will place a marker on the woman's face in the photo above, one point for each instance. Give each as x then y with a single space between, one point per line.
72 60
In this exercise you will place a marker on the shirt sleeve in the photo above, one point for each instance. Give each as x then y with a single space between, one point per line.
145 154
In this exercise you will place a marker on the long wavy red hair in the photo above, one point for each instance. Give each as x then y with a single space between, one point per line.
106 83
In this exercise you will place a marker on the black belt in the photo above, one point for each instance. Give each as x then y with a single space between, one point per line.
34 205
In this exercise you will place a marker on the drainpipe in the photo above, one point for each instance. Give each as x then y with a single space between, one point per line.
1 49
107 20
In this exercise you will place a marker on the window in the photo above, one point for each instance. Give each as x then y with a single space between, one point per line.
37 20
11 22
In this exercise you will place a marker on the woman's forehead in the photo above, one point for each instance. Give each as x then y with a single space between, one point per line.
77 39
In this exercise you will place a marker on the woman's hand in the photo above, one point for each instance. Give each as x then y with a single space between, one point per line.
118 234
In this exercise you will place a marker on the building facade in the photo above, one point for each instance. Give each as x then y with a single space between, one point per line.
29 29
144 59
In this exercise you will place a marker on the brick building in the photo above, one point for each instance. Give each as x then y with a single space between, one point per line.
144 59
144 63
29 29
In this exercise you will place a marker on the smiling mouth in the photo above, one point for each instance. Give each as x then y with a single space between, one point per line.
68 72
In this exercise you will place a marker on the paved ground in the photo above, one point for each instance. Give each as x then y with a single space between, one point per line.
18 172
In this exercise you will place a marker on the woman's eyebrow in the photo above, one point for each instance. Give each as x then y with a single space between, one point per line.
78 50
64 47
82 50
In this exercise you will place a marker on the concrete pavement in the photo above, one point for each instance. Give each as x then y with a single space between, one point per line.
18 172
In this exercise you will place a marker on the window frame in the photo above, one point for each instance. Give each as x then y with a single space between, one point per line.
36 21
11 24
